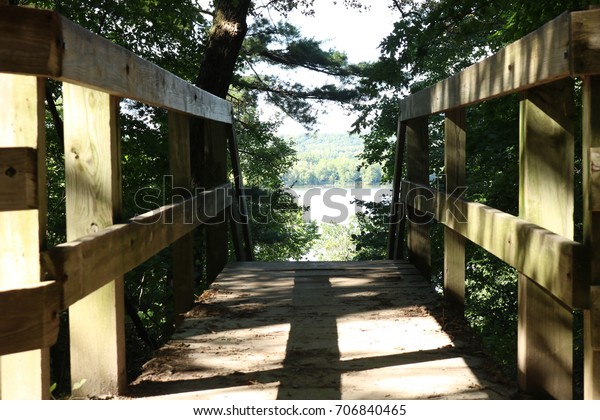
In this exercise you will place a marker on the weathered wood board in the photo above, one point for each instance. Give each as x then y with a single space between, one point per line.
93 202
454 244
24 375
418 239
546 168
44 43
319 331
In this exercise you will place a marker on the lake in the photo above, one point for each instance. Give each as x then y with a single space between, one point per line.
336 204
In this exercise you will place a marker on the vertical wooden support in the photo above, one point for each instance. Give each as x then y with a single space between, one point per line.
397 216
22 233
417 170
215 173
545 335
239 207
93 189
454 244
183 249
591 232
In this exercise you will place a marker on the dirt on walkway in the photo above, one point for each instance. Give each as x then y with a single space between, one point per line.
354 330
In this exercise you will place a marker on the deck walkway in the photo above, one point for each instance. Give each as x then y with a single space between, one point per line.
311 330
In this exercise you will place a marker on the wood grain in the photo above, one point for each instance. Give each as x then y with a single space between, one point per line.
93 201
538 58
23 375
18 178
546 167
591 231
585 42
183 248
417 170
512 240
29 317
90 262
44 43
455 172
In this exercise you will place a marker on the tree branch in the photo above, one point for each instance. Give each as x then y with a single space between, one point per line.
58 122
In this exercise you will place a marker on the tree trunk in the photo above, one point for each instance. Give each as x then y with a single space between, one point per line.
207 138
216 72
224 43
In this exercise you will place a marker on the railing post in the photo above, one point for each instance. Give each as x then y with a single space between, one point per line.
240 218
23 375
183 249
454 244
397 213
545 332
417 170
215 173
591 232
93 190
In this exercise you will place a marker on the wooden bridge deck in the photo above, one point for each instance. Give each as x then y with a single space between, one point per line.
311 330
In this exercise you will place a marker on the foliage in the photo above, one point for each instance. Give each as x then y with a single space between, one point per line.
371 238
335 243
278 230
330 159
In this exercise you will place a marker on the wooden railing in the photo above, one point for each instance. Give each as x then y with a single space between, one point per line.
85 275
557 274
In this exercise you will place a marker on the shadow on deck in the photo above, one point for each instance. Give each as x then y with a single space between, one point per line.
307 330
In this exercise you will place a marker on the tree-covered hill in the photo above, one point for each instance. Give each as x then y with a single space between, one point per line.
330 159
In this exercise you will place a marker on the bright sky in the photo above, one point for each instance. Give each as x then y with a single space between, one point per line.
356 33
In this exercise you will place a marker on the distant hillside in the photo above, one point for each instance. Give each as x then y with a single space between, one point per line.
330 159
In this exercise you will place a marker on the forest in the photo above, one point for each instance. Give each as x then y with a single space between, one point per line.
430 40
330 159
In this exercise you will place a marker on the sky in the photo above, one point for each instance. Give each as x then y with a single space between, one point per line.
356 33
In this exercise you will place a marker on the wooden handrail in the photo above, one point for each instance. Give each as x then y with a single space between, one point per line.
88 263
44 43
566 46
511 239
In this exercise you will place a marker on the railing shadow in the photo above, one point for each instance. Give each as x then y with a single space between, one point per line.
322 338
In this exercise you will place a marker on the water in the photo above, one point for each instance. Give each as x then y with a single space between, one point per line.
334 204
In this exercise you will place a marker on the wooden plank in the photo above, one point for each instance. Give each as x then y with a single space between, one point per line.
29 317
593 184
591 360
511 239
90 262
23 375
546 167
44 43
585 42
397 216
321 265
183 248
454 244
538 58
417 169
18 178
30 41
545 343
591 230
93 200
